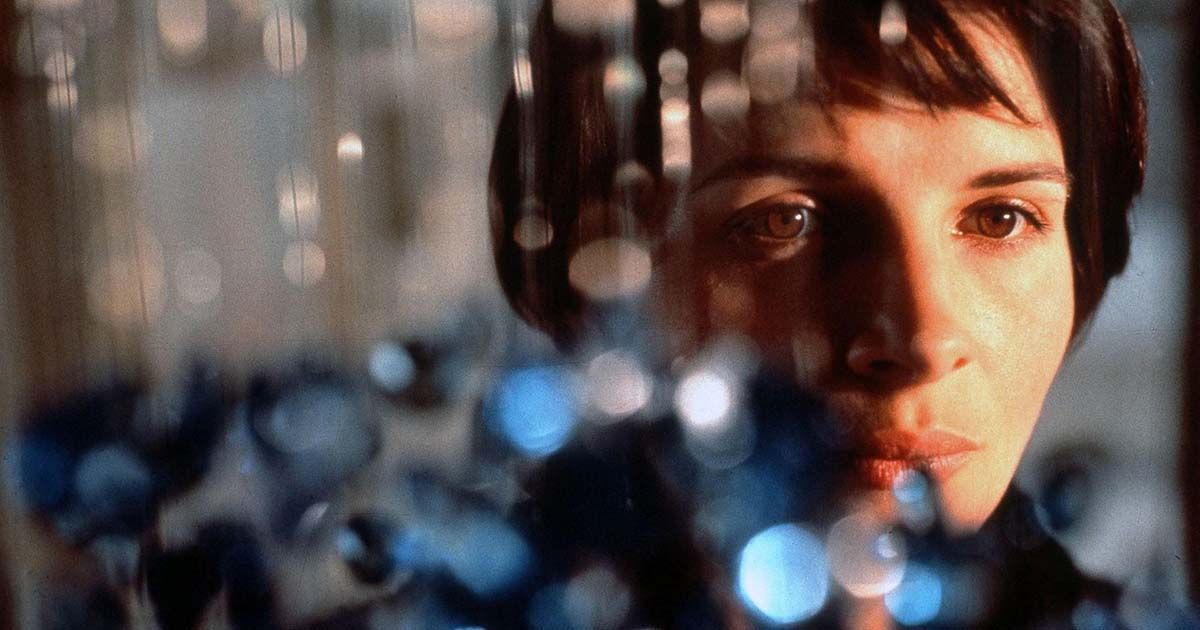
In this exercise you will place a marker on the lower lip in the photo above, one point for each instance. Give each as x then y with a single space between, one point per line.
882 473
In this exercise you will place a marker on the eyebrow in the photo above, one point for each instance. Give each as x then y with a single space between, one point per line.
1021 173
802 168
758 166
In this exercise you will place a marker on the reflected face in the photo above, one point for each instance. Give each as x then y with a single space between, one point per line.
912 267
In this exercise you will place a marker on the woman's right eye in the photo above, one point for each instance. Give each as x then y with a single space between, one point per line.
776 228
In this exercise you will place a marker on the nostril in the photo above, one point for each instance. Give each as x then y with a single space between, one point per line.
881 366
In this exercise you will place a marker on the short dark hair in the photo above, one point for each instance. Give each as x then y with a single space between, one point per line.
1080 51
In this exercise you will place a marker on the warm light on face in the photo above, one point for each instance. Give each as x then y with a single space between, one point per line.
927 254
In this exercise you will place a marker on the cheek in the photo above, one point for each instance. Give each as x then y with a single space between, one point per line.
1024 340
697 298
1016 312
1026 322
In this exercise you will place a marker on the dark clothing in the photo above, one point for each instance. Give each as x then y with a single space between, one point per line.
586 510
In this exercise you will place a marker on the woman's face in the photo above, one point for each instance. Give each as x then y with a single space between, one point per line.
909 266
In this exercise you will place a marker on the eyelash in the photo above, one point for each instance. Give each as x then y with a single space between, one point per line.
1035 221
744 229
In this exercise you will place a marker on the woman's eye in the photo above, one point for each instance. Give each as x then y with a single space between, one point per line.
774 230
1000 221
783 223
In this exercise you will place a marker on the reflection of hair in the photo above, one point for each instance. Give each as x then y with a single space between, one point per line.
1080 52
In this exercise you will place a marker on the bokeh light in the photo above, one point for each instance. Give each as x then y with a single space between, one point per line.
624 82
915 501
523 75
59 66
249 11
197 276
309 419
723 21
725 450
783 574
674 118
918 598
298 199
597 599
773 68
62 96
704 400
866 557
610 268
115 486
532 233
708 400
455 25
893 25
584 17
391 366
631 176
183 28
775 19
350 147
304 263
673 66
675 112
724 97
128 288
49 48
487 555
111 139
617 384
534 408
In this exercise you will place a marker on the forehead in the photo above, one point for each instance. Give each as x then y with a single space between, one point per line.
827 122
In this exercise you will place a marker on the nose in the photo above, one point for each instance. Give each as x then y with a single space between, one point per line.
912 331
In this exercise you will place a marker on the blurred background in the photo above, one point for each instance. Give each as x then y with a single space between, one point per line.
247 179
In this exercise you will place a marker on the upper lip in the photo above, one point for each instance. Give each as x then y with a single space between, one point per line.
895 444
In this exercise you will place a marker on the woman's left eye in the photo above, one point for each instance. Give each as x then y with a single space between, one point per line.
1000 220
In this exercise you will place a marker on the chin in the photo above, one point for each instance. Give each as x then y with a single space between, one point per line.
968 499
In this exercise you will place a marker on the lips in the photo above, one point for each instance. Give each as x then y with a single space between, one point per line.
880 458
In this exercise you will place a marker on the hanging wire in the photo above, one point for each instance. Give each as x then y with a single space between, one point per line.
292 122
68 200
138 258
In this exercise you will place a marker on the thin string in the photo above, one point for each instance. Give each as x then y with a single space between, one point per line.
133 225
407 47
345 240
64 131
56 141
292 116
530 205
